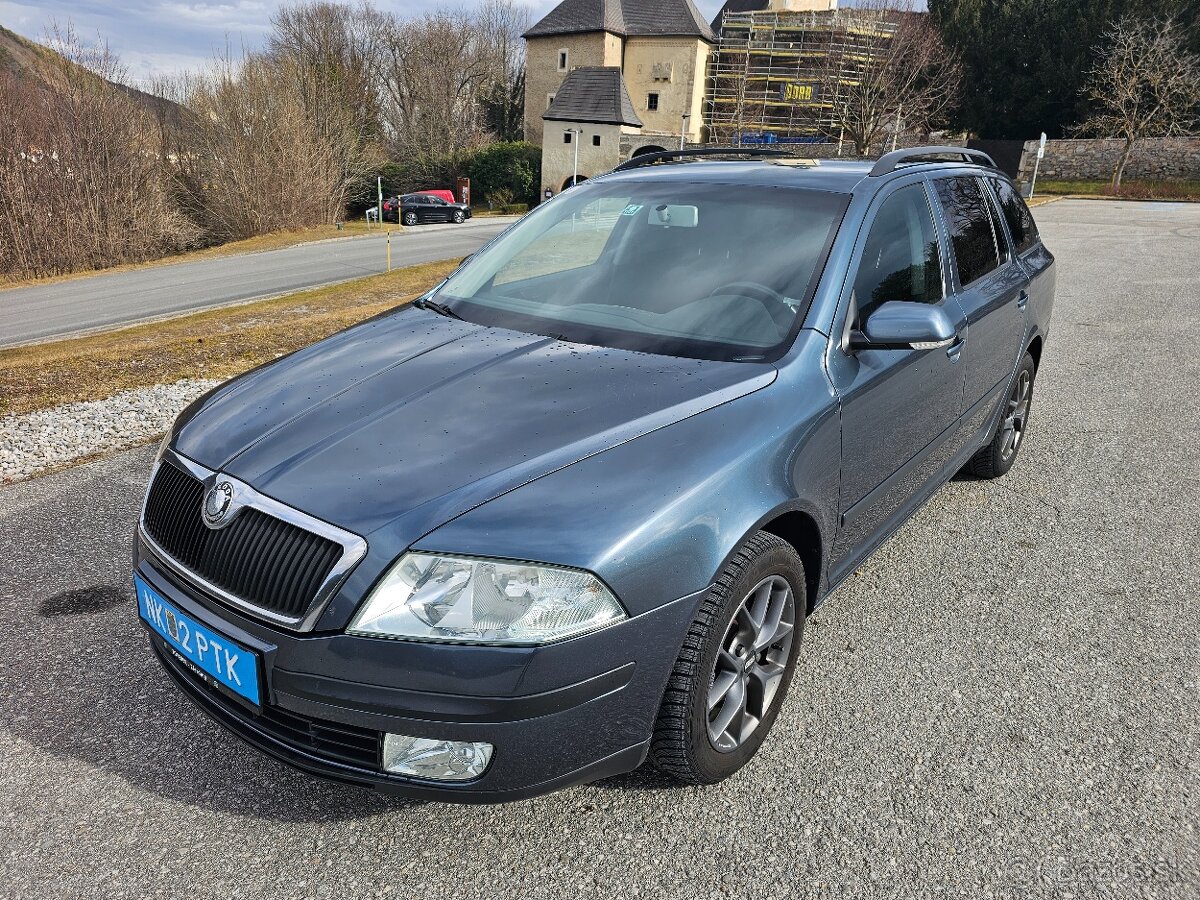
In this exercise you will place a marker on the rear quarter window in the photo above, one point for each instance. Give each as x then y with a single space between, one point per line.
969 221
1016 215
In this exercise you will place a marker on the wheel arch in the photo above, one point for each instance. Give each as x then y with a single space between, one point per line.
797 525
1035 350
801 530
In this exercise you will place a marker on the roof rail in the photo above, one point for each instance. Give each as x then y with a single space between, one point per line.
889 162
649 159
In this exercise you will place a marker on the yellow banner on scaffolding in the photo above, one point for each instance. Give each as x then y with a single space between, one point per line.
793 92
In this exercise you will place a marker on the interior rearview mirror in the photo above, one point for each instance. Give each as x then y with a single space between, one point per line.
904 325
670 215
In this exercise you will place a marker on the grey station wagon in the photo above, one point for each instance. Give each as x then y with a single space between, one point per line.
568 511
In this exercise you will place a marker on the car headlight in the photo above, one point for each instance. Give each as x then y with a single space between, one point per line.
431 597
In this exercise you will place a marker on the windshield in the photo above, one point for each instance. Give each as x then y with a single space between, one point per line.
712 271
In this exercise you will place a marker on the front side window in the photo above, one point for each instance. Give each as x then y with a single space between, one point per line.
1017 215
900 260
562 60
709 271
652 102
969 222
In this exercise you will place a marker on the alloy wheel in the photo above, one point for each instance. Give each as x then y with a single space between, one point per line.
751 663
1013 428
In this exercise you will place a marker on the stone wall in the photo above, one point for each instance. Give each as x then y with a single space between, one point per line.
673 68
558 157
543 76
1095 159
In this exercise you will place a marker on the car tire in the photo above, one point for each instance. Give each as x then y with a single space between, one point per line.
997 456
458 217
410 218
689 741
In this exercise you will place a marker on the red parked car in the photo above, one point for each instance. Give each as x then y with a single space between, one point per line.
448 196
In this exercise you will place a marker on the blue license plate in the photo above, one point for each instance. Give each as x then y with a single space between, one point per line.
222 659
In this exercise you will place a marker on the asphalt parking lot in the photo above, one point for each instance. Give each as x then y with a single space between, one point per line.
1002 703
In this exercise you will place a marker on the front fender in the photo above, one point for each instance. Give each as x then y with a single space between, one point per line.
657 517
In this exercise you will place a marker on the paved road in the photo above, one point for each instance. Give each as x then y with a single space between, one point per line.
54 310
1003 702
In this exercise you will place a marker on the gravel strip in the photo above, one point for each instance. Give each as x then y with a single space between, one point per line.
43 440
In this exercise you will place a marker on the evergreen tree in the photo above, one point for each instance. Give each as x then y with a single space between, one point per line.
1026 62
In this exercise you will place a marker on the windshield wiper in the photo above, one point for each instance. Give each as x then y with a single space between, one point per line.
438 308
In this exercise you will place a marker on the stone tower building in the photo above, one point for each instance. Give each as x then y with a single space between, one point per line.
659 47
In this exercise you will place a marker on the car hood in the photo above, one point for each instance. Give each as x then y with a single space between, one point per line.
411 419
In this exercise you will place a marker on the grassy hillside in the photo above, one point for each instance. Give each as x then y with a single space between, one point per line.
21 56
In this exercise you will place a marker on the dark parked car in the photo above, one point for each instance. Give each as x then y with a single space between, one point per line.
568 511
420 209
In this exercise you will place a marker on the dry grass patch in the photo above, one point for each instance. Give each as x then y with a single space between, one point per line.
219 343
1130 189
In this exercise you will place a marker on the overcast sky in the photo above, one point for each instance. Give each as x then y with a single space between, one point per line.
164 36
157 36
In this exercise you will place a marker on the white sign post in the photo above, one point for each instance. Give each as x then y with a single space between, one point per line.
1036 163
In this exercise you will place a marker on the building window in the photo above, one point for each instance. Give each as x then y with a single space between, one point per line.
549 100
562 60
566 137
652 102
595 140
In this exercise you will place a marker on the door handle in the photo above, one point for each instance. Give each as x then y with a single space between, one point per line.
954 351
1022 299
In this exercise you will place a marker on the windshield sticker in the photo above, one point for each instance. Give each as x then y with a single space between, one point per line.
631 209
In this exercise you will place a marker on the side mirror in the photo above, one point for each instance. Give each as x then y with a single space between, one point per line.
904 325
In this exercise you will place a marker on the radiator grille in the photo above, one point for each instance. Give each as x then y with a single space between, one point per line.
262 560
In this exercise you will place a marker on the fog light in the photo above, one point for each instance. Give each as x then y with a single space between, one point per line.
434 759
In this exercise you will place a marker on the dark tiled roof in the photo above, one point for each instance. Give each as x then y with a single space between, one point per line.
593 94
736 6
628 18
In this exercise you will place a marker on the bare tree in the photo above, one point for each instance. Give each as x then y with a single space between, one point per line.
260 159
1145 84
338 52
501 24
908 79
443 72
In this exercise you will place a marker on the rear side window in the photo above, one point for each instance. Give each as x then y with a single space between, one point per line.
900 259
1017 215
969 222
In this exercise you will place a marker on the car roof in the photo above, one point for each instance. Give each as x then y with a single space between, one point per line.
836 175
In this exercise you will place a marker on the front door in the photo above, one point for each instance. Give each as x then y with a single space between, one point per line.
898 407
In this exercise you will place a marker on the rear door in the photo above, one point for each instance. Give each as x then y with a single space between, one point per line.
1031 253
990 286
899 407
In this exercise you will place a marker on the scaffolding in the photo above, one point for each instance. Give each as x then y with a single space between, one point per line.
779 76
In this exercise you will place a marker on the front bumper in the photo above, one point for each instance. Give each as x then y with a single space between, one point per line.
558 715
